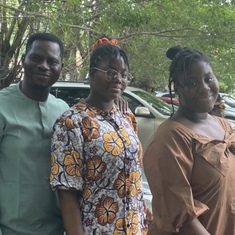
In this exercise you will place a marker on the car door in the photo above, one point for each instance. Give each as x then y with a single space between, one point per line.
146 120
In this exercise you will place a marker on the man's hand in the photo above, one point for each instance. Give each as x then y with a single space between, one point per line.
122 105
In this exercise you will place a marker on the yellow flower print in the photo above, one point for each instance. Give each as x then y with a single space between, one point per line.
113 143
90 129
126 136
69 123
91 113
132 120
95 167
120 226
54 168
119 184
73 163
144 231
134 221
81 106
140 155
84 107
122 223
61 121
134 183
106 212
86 194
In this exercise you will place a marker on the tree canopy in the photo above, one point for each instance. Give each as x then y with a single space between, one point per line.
145 29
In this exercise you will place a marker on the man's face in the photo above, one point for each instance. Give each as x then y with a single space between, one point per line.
42 64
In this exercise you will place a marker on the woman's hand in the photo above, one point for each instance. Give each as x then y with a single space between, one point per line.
149 217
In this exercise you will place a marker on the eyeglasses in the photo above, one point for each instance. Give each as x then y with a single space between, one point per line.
110 74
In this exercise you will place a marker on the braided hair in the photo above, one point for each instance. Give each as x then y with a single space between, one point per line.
182 60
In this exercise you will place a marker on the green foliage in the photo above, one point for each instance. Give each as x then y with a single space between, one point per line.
145 29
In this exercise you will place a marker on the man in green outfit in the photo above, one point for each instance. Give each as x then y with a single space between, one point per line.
27 114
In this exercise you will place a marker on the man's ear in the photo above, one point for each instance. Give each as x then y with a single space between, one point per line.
23 58
176 90
91 74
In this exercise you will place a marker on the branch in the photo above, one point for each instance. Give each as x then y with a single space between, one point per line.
141 58
165 33
36 15
13 22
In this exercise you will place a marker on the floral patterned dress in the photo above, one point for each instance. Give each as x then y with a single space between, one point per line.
99 154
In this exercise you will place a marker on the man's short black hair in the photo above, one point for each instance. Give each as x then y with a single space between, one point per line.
45 37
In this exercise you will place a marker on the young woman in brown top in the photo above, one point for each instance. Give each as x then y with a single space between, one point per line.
190 163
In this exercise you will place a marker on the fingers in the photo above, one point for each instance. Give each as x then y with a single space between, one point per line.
126 106
149 217
122 105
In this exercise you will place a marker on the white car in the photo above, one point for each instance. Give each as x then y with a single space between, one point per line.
229 101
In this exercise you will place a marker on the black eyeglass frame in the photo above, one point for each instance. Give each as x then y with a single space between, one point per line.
110 74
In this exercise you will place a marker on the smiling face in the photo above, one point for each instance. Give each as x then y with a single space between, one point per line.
42 65
101 88
198 89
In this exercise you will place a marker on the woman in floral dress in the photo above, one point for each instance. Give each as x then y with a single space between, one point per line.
96 154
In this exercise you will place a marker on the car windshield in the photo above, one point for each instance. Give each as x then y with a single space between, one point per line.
228 99
156 103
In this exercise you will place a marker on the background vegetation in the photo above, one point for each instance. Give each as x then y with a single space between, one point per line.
144 28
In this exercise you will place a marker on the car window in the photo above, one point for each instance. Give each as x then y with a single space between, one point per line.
132 102
70 95
229 100
155 102
168 95
165 94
